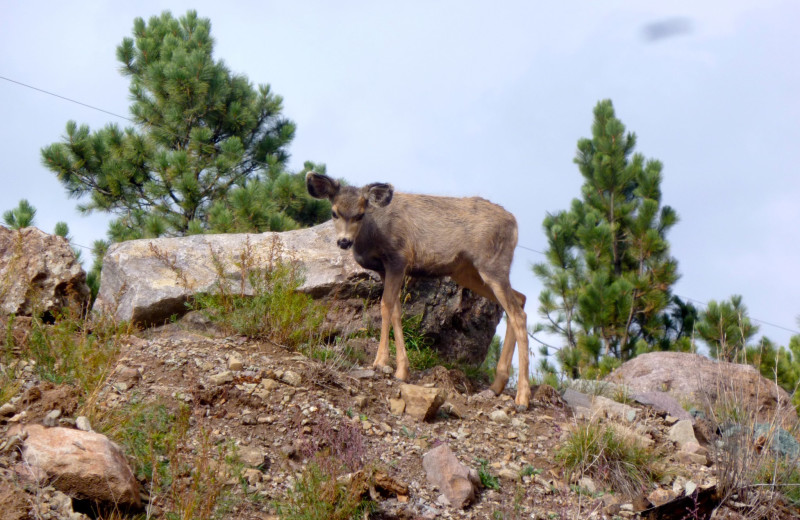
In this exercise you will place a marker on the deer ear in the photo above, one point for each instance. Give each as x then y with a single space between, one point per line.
321 186
379 194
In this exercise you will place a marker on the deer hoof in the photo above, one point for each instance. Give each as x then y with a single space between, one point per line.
522 401
401 374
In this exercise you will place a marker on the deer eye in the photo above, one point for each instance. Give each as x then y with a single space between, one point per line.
358 217
334 215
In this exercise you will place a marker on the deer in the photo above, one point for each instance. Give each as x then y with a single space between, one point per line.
395 234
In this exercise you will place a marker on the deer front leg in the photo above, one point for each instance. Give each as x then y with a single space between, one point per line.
382 357
399 343
391 316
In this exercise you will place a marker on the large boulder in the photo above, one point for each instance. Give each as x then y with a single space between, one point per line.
704 383
39 273
84 465
148 281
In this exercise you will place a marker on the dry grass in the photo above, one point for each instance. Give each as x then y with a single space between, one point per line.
750 470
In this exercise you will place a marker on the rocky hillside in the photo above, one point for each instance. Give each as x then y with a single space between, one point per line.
224 425
101 417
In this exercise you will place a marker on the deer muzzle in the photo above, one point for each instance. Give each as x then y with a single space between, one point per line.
344 243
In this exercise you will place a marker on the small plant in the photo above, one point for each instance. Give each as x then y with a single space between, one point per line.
596 450
335 448
407 433
276 309
488 480
421 355
184 476
318 495
529 470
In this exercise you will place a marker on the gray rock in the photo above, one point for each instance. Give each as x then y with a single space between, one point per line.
422 403
704 382
292 378
51 419
499 416
682 433
39 272
221 378
575 399
83 424
147 281
663 402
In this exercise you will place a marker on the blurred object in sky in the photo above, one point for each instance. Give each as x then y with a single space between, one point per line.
667 28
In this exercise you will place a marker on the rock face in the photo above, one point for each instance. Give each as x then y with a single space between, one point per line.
149 280
456 481
703 382
38 272
84 465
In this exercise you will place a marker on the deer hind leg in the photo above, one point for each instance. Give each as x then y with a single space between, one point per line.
516 332
470 278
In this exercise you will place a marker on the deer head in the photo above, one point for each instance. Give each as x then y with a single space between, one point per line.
349 205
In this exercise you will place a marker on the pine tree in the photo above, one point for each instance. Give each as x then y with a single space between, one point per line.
202 135
608 271
726 328
20 217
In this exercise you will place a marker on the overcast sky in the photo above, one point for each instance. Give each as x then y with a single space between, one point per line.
475 98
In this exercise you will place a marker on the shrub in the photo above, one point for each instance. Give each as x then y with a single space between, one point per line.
276 310
597 451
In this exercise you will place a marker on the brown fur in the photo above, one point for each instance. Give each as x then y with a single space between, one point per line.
469 239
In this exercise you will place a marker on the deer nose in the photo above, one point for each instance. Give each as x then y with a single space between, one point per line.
344 243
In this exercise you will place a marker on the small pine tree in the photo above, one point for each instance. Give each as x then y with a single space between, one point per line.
205 140
20 217
608 271
726 328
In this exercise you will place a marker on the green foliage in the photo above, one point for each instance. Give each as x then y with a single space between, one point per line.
276 309
608 270
726 328
597 451
421 355
317 495
208 152
778 363
72 350
62 230
20 217
488 480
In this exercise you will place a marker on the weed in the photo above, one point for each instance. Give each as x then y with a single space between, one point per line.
318 495
421 355
185 474
320 492
529 470
488 480
275 310
595 450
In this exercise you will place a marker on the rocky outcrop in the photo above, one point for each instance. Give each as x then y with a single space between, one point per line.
83 465
150 280
703 382
39 273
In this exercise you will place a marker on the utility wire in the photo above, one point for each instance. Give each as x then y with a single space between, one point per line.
66 99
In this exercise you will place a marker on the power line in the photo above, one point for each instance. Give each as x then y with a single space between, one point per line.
66 98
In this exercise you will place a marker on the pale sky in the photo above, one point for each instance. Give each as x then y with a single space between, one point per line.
475 98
